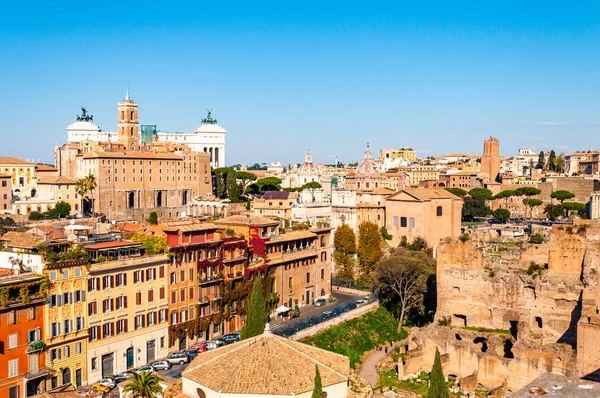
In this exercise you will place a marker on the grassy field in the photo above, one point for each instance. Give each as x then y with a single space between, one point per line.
486 330
357 336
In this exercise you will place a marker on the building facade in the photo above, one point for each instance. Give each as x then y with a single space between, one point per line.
127 312
5 194
22 351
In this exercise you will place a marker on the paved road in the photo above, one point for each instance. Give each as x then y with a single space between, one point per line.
174 371
311 311
368 370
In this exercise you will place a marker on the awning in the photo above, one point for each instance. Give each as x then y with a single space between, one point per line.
282 309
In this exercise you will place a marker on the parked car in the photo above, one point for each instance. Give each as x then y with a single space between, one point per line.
200 348
337 311
320 302
231 338
191 353
101 388
326 315
360 302
162 365
108 382
147 368
178 358
220 342
122 376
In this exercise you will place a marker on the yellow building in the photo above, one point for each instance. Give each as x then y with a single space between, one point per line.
275 204
65 329
422 173
127 314
58 189
406 153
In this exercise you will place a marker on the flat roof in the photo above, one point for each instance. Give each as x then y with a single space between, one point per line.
111 245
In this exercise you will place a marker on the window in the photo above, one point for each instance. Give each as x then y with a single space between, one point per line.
93 334
308 277
161 293
183 316
108 281
182 276
107 329
161 272
13 368
411 222
79 323
173 278
403 222
395 221
322 273
162 342
12 317
121 279
54 329
290 282
121 302
150 295
438 211
93 284
52 276
77 271
65 274
191 274
33 335
13 340
78 348
68 324
138 298
151 318
139 322
67 351
107 305
191 293
173 318
173 296
93 308
182 294
66 376
151 274
55 354
138 276
122 326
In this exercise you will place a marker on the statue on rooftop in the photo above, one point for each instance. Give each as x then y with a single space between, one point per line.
85 117
209 119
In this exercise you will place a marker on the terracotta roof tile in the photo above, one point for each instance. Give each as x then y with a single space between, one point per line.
246 220
57 180
21 239
187 225
11 160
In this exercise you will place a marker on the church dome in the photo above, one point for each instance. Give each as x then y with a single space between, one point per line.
308 168
367 166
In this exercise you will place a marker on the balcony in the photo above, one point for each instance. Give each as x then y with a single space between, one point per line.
239 257
299 253
34 374
35 346
235 275
210 279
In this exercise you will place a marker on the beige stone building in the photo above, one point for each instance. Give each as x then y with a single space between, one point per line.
417 174
65 324
353 207
127 314
432 214
275 204
58 189
5 194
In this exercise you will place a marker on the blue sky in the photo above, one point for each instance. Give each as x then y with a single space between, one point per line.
329 76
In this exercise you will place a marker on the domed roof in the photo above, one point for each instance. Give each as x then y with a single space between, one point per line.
210 128
367 166
308 167
83 126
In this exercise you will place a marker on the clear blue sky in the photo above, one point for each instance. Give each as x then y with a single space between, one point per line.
329 76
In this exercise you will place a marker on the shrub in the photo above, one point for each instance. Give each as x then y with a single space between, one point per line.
403 241
445 321
502 215
229 232
418 244
385 234
536 238
534 269
153 218
464 237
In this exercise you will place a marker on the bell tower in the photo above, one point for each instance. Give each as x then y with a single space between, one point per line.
127 125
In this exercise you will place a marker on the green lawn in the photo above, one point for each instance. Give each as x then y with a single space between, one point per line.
357 336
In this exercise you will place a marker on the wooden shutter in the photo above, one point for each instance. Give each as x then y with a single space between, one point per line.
90 284
103 306
90 309
162 292
161 272
148 274
125 321
124 279
151 295
112 281
125 301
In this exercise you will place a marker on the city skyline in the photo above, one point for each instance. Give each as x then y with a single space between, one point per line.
323 77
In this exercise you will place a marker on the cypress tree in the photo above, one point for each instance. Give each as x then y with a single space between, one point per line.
318 391
369 247
257 313
437 382
552 161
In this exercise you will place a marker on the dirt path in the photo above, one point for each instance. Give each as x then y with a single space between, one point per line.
368 370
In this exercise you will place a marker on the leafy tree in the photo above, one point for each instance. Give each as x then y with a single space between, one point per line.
481 193
318 391
402 281
505 195
562 195
502 215
35 215
475 206
552 161
541 163
153 218
62 209
384 234
143 385
531 203
234 189
418 244
369 249
437 382
256 318
559 163
527 192
344 243
573 206
151 244
86 186
269 188
457 191
553 211
244 177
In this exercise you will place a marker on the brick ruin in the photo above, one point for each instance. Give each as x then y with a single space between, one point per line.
517 310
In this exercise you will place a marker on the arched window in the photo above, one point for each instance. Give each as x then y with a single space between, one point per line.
438 211
132 115
122 115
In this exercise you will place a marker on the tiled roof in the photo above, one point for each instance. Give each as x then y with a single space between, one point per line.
129 227
11 160
188 225
267 365
376 191
110 245
293 235
56 180
21 239
246 220
45 229
44 167
424 194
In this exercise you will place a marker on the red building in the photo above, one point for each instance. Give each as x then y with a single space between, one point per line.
22 356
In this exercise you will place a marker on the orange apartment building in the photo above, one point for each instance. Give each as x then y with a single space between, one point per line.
22 351
5 194
205 264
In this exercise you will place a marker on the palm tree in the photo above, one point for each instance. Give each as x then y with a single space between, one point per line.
143 385
84 186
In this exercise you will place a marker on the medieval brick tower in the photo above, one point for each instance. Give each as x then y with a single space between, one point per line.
491 159
127 125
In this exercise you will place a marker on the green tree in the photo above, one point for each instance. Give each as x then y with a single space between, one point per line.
62 209
438 388
553 211
220 174
502 215
234 189
402 281
153 218
369 247
344 243
457 191
245 178
143 385
151 244
552 161
531 203
256 319
505 195
475 206
528 193
318 391
559 163
562 195
541 163
573 206
35 215
481 193
85 186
